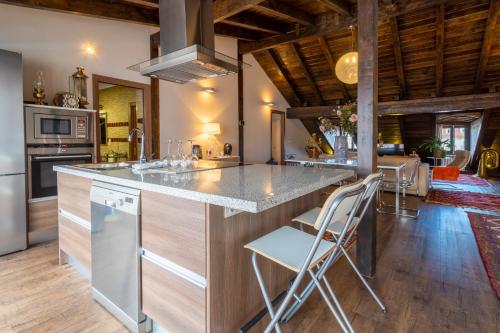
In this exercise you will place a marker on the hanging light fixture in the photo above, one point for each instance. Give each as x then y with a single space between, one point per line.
346 68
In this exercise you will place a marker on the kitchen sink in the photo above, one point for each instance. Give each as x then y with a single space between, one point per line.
105 166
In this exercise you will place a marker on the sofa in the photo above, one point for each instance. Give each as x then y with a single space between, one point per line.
421 185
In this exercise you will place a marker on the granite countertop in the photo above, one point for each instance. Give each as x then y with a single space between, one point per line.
250 188
326 161
346 163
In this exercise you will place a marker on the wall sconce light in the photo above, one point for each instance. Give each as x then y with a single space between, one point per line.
270 104
90 50
209 90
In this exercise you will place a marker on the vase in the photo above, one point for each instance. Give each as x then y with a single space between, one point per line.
340 146
437 153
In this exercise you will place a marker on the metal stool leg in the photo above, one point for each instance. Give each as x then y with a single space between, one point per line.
268 302
337 304
361 277
330 306
304 295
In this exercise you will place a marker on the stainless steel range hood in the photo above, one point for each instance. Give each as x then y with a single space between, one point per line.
187 42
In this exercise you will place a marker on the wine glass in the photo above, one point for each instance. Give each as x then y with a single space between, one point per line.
167 159
179 159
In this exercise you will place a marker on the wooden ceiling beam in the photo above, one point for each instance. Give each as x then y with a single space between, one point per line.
255 23
340 6
441 104
488 42
277 62
145 3
135 11
325 24
417 106
440 50
306 72
398 54
222 29
285 12
332 22
224 9
331 62
95 8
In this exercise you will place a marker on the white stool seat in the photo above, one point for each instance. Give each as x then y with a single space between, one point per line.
311 216
289 247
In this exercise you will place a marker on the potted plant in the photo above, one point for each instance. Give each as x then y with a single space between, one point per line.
313 144
436 146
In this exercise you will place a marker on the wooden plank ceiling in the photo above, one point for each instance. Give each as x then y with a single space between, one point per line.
440 49
427 48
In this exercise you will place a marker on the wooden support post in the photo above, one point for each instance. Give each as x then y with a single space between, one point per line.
155 99
367 125
241 118
440 50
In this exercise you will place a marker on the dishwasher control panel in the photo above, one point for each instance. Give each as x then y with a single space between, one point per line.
116 197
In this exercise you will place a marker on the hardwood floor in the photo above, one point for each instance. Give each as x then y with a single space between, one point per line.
38 295
429 275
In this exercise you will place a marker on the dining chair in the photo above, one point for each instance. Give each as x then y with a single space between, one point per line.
304 253
372 183
461 160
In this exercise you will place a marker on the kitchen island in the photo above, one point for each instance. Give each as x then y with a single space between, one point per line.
196 275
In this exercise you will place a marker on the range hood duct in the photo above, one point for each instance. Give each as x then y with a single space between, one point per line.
187 45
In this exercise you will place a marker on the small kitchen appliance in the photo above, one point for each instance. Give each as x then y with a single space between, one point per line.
228 149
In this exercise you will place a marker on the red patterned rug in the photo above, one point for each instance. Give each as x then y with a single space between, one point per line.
486 229
468 180
465 199
472 180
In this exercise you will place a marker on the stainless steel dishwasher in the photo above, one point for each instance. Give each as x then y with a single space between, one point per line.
116 265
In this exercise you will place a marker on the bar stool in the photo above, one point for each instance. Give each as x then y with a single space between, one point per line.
372 183
304 253
405 184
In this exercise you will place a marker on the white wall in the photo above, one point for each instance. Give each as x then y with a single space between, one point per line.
258 90
55 42
184 109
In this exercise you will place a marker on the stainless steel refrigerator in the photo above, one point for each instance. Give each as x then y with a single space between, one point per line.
13 236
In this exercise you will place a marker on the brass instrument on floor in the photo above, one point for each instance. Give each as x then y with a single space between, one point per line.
489 161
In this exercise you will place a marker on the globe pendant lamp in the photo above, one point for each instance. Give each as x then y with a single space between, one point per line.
346 68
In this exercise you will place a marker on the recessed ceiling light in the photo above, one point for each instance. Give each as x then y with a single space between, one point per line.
270 104
209 90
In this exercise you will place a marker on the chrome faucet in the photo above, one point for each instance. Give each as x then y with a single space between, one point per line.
142 158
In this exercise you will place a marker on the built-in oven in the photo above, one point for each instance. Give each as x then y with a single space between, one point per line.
58 126
42 177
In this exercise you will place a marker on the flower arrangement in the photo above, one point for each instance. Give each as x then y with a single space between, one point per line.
348 120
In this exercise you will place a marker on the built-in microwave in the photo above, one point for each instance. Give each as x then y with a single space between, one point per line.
46 125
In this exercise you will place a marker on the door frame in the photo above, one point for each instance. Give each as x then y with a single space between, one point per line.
132 123
147 116
282 115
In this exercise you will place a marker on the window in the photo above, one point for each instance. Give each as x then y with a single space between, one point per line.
457 136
